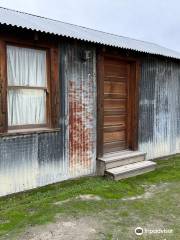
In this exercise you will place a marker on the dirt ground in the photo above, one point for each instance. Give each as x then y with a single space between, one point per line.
70 229
84 228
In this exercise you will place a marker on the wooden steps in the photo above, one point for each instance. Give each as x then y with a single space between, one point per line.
124 164
130 170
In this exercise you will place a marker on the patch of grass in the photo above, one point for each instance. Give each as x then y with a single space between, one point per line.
37 206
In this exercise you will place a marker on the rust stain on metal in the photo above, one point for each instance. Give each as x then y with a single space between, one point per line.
80 144
79 110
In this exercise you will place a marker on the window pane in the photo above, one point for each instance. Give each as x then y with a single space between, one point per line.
26 106
26 67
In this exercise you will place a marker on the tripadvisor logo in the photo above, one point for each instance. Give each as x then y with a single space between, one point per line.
139 231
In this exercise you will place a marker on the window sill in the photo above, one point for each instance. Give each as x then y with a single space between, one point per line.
18 132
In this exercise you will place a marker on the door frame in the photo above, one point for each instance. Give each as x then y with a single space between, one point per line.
133 100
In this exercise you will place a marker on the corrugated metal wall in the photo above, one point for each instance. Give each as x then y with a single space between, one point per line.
159 123
30 161
36 160
79 89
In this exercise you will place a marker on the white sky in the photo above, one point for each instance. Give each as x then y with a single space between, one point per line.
154 20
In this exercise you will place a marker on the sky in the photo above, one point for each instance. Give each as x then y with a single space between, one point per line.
155 21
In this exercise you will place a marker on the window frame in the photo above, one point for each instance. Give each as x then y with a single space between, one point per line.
46 89
52 91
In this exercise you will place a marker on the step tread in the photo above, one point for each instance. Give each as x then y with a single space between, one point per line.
117 153
121 156
130 167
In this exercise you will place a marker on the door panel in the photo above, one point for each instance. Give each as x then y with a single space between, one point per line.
115 120
117 104
114 136
115 69
114 146
114 89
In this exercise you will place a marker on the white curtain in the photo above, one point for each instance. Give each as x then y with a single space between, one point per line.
26 107
26 67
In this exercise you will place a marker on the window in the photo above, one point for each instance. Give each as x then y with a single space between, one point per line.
29 84
27 93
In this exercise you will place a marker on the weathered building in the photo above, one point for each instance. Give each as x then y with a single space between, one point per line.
71 95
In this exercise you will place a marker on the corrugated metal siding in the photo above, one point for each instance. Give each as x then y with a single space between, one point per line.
30 161
79 109
28 21
159 123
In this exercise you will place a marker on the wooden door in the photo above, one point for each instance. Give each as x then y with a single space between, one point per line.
116 80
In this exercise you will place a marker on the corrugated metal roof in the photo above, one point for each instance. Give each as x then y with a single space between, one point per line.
29 21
